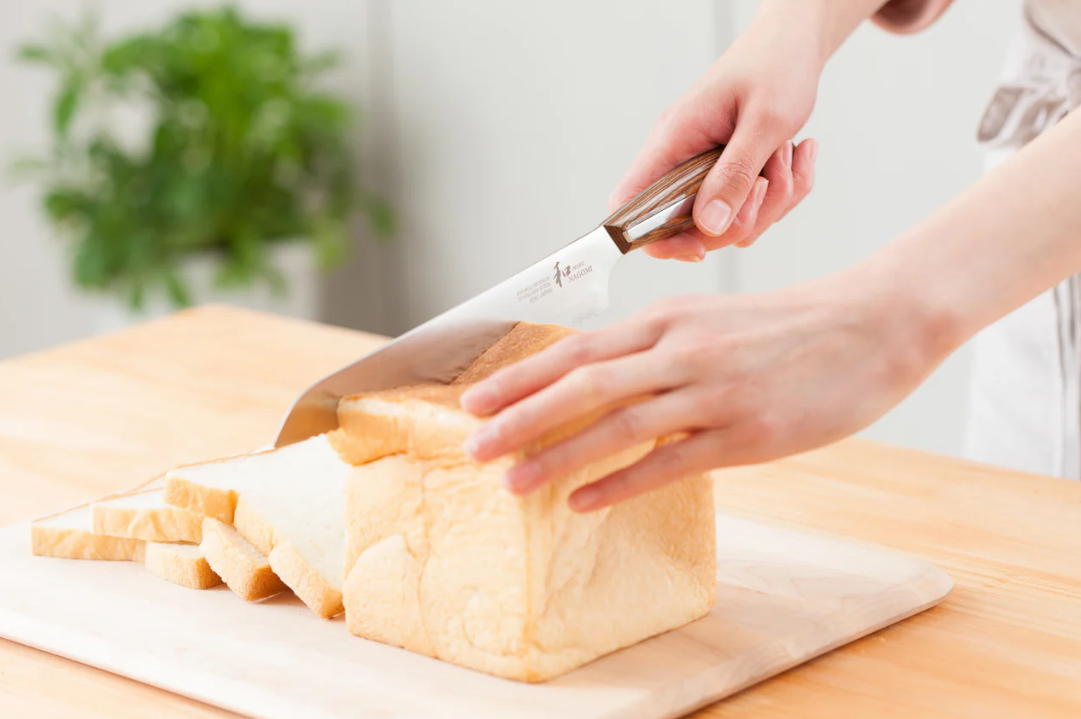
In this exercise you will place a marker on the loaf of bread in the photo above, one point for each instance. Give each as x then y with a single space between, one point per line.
442 560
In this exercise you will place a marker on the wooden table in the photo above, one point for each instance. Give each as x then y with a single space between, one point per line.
101 415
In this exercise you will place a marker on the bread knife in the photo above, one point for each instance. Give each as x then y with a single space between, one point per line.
566 288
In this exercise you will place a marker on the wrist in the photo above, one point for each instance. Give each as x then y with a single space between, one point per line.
828 22
924 326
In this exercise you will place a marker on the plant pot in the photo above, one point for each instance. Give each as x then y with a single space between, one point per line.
295 261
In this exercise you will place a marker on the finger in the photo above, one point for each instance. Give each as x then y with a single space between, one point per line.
685 247
588 388
730 181
779 173
674 138
745 220
521 379
618 430
698 453
803 173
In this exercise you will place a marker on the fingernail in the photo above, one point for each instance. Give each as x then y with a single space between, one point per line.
479 440
522 477
814 150
478 399
787 154
687 258
585 499
760 188
715 217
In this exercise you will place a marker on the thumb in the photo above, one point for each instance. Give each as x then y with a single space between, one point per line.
729 182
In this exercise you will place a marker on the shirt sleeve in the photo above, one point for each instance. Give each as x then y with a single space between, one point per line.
909 16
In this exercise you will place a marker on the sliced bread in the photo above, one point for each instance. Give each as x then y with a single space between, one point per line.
69 535
145 515
242 567
288 504
182 564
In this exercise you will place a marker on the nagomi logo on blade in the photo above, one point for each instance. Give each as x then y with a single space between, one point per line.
571 272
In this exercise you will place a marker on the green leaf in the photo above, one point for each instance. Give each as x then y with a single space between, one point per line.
34 53
136 294
320 63
380 216
65 105
61 205
178 290
29 167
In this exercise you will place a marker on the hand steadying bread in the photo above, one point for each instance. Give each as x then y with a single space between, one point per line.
389 520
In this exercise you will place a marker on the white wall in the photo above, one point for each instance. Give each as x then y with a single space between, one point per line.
896 117
499 128
513 121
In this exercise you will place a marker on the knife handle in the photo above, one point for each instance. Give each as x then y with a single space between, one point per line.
664 208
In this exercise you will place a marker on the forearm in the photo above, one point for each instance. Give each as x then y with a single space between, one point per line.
1011 236
832 21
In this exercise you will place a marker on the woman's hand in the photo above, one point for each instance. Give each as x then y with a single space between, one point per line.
748 378
753 100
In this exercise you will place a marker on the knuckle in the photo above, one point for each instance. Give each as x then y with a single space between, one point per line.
582 380
671 459
737 171
630 426
773 117
690 353
579 350
764 428
659 315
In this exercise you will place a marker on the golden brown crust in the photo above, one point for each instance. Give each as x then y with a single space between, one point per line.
238 563
194 572
523 340
66 543
306 583
204 501
152 524
287 563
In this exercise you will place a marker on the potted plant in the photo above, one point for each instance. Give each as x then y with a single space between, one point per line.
197 162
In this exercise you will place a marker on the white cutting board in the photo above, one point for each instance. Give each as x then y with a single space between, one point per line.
784 597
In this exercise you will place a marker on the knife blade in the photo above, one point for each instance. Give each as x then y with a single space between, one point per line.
567 287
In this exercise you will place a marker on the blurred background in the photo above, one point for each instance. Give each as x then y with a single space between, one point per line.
445 146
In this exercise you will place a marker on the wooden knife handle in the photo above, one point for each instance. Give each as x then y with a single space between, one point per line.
664 208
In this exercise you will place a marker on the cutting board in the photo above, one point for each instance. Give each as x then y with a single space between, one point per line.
783 598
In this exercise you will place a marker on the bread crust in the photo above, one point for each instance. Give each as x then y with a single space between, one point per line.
153 524
240 565
163 560
287 563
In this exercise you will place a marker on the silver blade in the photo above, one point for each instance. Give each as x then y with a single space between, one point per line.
565 288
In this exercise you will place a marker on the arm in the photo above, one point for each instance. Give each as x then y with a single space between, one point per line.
754 99
751 378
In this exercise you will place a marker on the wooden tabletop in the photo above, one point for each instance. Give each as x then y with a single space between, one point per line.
101 415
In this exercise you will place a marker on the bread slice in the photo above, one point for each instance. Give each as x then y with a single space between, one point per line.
182 564
145 515
69 535
447 563
288 504
240 565
209 489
